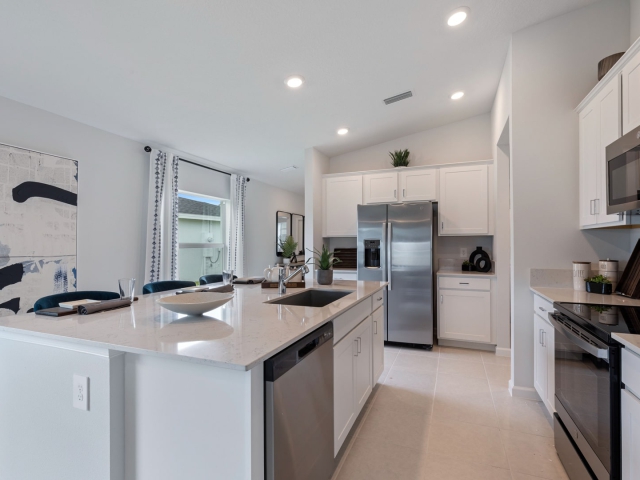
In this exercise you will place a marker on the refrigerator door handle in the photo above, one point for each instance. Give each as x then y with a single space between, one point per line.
385 267
389 264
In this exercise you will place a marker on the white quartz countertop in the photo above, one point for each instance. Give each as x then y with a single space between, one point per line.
581 296
238 335
629 340
460 273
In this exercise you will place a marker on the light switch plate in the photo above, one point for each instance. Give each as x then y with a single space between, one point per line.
463 253
81 392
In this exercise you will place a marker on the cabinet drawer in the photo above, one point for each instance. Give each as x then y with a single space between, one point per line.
347 321
542 307
465 283
631 371
377 300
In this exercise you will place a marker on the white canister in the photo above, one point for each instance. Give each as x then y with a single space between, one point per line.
609 268
581 272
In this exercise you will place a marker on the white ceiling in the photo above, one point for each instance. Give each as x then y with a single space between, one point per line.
207 76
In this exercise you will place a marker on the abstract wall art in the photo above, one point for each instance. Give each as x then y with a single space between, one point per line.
38 219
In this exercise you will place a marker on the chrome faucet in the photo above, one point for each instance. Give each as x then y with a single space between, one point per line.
282 279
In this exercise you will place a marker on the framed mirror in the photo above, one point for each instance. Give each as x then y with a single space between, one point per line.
289 224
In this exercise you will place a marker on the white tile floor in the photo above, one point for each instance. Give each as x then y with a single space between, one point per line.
447 415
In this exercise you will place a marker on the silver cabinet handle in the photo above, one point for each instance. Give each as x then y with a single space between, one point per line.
544 338
359 345
375 327
379 299
356 352
394 194
596 204
390 260
540 336
403 193
541 309
441 299
443 225
464 283
590 207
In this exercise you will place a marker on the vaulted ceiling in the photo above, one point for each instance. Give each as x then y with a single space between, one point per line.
207 76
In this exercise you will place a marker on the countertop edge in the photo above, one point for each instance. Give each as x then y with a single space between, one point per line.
184 358
625 339
540 294
460 273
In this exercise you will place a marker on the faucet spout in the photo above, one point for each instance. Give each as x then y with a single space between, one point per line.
283 278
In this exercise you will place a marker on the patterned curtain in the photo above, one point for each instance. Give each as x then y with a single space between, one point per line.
162 221
235 260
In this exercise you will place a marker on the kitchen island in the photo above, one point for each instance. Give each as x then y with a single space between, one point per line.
170 396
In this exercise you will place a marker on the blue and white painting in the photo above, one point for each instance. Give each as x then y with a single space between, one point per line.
38 217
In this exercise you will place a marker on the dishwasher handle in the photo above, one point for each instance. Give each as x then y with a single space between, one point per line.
287 359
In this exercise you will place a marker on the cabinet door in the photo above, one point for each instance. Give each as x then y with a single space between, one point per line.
630 436
631 95
464 200
381 187
378 343
419 185
610 127
539 358
548 343
589 132
364 371
344 413
465 315
341 197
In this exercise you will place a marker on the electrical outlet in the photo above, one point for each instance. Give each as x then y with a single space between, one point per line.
463 253
80 392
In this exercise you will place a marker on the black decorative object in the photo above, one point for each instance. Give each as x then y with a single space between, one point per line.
478 252
601 288
483 264
467 267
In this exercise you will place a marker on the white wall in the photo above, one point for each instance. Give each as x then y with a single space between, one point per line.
634 17
554 66
194 179
463 141
262 203
112 195
316 164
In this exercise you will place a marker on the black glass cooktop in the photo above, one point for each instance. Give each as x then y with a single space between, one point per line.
602 320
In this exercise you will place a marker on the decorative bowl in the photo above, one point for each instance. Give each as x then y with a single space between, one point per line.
194 303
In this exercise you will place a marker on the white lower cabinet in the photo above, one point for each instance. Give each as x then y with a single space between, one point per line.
630 436
464 315
543 354
353 379
378 344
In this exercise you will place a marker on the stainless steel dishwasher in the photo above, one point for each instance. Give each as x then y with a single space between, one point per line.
299 409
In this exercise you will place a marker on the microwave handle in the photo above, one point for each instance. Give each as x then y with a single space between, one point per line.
599 350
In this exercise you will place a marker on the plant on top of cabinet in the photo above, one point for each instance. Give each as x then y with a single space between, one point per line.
400 158
323 260
288 247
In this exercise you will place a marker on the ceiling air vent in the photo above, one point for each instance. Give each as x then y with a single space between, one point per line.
397 98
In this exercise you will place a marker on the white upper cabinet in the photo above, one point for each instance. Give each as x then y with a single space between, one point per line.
419 185
464 200
631 94
341 196
600 123
381 187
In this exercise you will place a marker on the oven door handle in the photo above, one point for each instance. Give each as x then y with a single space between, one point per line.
602 352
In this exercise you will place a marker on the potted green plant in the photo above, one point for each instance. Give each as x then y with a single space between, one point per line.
400 158
599 284
289 248
323 261
468 266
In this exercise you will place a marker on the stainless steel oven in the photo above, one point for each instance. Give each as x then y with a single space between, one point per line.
587 389
623 173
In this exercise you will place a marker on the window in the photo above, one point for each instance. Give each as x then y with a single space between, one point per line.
202 235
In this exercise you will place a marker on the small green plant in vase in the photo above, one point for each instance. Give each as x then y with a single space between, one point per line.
599 284
323 261
400 158
468 266
289 248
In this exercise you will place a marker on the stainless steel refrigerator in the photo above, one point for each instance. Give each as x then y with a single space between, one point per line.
395 245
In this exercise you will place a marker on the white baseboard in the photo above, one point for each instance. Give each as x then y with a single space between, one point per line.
523 392
503 352
462 344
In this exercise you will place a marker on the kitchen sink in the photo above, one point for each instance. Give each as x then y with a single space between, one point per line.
312 298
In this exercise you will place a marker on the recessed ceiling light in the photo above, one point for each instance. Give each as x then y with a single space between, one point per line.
294 81
458 16
343 131
286 169
457 96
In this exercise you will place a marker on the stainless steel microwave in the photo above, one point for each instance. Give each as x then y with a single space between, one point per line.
623 173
